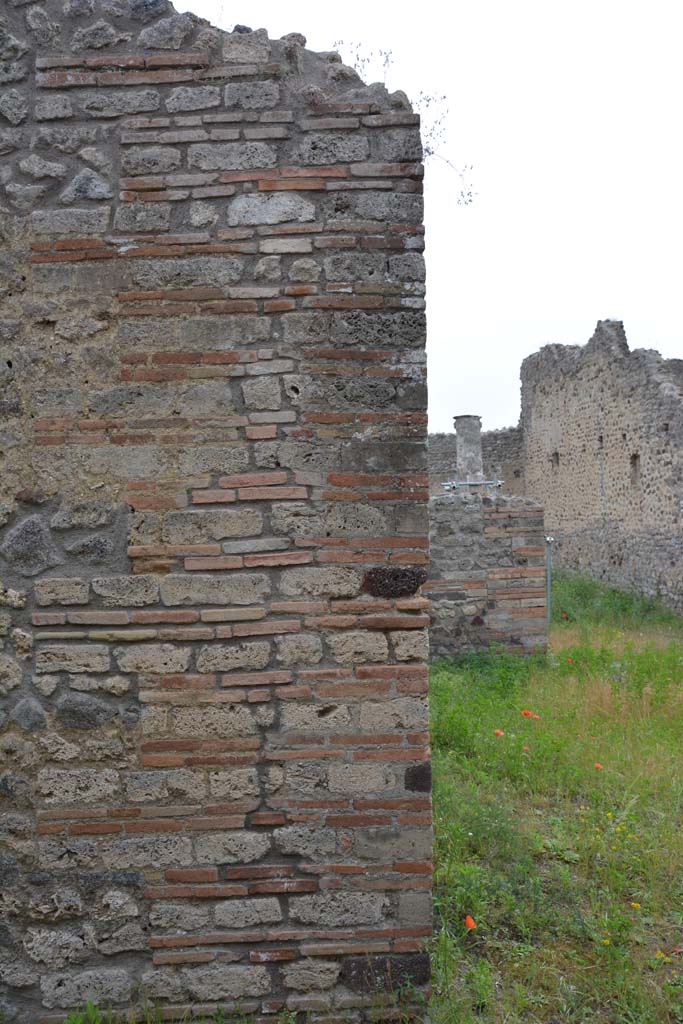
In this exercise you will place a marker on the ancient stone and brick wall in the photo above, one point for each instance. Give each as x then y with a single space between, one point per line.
486 573
600 446
502 456
441 461
214 775
603 451
486 559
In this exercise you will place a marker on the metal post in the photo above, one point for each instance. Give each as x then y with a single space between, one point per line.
548 576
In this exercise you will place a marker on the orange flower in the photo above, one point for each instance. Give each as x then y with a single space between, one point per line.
569 659
526 749
564 615
598 765
535 716
498 732
470 922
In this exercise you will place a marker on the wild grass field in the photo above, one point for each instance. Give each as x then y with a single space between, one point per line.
559 811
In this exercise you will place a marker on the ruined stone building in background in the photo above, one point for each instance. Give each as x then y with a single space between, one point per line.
214 765
600 446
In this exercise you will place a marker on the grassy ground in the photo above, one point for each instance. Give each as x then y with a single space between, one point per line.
560 835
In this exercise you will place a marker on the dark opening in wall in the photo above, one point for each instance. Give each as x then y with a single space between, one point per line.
555 461
635 470
517 473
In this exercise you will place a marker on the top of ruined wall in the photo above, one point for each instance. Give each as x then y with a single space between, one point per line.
73 68
130 130
607 352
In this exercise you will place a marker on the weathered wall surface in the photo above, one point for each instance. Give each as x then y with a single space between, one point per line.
486 573
502 454
441 461
603 450
215 781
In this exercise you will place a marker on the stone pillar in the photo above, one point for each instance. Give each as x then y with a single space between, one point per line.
469 465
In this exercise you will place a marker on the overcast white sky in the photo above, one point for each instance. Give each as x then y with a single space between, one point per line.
570 113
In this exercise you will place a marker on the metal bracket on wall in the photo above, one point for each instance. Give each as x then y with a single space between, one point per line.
450 485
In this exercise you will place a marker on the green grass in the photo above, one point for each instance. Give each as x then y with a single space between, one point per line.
577 599
92 1014
573 873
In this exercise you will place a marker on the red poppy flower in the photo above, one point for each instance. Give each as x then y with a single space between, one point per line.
598 765
535 716
526 713
564 615
526 749
569 659
498 732
470 922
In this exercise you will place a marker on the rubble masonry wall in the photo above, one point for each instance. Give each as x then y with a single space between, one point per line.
603 452
486 573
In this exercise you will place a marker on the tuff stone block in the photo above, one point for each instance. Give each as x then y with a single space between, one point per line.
99 986
193 98
269 209
77 785
151 160
73 658
339 908
251 95
231 156
236 656
356 647
231 848
320 582
126 591
220 981
152 658
247 588
62 591
247 913
311 975
143 217
198 527
306 841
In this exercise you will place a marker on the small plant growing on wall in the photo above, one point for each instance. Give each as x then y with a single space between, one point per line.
431 106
